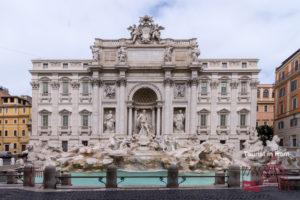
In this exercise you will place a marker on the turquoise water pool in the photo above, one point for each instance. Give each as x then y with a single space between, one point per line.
141 182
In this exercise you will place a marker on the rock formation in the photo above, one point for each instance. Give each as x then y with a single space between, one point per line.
158 153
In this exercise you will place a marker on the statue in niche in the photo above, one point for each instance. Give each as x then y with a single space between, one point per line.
195 53
109 122
122 55
142 121
180 90
110 91
168 54
179 122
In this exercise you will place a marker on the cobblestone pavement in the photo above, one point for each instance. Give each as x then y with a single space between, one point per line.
174 194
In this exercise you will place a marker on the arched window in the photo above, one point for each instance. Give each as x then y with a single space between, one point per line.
266 93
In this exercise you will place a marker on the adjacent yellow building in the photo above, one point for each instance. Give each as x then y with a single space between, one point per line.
15 123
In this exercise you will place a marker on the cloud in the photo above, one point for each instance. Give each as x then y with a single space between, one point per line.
264 29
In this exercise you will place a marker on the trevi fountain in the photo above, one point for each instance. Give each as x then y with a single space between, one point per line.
146 103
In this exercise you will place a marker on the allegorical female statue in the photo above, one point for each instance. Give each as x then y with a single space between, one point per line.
109 122
179 122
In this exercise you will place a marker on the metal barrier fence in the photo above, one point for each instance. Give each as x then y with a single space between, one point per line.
52 178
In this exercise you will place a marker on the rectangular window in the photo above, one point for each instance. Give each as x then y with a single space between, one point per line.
45 65
204 88
281 109
243 120
85 88
294 85
294 103
85 65
204 65
223 120
85 120
6 133
6 147
65 65
223 141
293 122
223 88
203 120
45 88
282 92
15 133
266 108
242 144
65 120
281 125
294 140
244 65
65 88
15 145
24 110
23 147
64 145
45 120
244 88
224 65
85 143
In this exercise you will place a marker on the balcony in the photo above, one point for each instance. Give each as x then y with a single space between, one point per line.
203 130
65 130
44 130
288 76
65 98
223 97
223 130
243 130
45 98
85 98
203 97
85 130
243 96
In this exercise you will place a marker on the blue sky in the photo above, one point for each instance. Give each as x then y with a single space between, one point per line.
264 29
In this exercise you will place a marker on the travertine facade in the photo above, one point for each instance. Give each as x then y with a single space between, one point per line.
143 85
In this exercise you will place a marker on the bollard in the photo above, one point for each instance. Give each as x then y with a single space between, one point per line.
172 181
111 177
219 178
49 181
256 174
66 179
1 162
234 176
29 176
11 176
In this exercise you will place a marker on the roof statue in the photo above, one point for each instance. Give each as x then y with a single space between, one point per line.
146 31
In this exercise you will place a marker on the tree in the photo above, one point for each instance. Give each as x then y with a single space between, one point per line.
265 133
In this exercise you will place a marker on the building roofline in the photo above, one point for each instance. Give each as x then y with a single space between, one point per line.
60 60
287 59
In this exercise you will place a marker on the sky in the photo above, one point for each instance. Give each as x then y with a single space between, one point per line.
29 29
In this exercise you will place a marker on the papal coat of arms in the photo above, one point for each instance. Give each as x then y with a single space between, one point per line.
146 31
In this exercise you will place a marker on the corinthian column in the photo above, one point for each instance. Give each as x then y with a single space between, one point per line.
168 106
193 107
122 106
95 113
